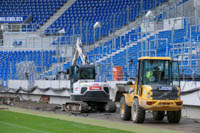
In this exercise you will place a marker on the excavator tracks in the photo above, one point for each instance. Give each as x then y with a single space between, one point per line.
76 107
83 107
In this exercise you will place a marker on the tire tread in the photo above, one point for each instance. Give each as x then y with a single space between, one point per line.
127 110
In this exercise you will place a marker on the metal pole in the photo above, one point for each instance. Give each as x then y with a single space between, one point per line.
146 41
183 55
196 12
175 11
173 36
156 45
128 13
114 23
86 39
167 47
111 60
94 30
190 48
142 43
73 34
100 32
81 29
94 48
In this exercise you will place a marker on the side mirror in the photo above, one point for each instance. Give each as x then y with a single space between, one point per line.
133 78
131 81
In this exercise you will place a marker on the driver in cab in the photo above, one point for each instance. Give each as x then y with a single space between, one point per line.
153 74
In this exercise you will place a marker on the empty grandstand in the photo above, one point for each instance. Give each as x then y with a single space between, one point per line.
37 38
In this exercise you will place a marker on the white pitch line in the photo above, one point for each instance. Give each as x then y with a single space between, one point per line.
23 127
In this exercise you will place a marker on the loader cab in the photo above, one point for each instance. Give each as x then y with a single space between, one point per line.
157 72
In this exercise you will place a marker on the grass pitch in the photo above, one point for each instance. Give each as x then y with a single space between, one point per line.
12 122
18 120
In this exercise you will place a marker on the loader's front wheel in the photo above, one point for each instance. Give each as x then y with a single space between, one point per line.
138 114
125 110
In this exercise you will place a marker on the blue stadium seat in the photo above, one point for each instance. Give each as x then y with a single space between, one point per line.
37 9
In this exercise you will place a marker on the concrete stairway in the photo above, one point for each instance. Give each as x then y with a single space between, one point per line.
56 15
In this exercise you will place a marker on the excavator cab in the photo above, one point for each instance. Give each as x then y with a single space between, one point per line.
157 88
82 72
85 93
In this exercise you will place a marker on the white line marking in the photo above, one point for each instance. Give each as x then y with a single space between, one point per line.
23 127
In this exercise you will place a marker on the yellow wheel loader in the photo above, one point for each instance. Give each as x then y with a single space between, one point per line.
156 88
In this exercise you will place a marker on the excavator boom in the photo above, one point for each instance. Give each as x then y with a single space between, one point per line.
78 52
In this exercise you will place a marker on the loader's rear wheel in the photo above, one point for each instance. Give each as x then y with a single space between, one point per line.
137 113
174 116
158 115
110 107
125 110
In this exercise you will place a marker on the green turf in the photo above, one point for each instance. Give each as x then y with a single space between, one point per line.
12 122
130 127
